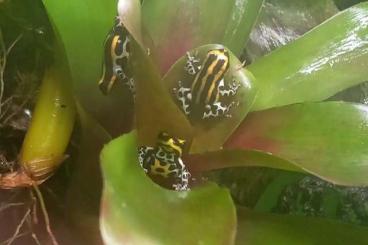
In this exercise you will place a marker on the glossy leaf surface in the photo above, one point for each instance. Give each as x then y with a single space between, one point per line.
204 215
326 60
214 119
277 26
263 229
240 24
326 139
82 27
179 26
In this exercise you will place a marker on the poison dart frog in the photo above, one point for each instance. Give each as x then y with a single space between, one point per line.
116 59
202 98
165 160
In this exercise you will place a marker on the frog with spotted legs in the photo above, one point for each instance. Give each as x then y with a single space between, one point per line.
116 58
165 160
203 98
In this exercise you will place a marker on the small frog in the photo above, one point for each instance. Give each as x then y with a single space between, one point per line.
116 57
203 98
165 160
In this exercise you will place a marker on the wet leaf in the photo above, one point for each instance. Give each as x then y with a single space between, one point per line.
214 119
240 24
326 139
82 26
155 110
179 26
203 215
277 26
324 61
261 228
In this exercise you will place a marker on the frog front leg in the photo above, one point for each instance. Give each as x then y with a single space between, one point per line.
193 64
146 157
217 109
184 96
183 177
228 90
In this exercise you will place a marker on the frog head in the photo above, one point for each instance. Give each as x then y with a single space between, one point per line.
116 55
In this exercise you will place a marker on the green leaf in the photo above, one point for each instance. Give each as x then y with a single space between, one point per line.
239 100
277 26
240 24
155 110
326 139
82 26
236 158
264 229
326 60
137 211
179 26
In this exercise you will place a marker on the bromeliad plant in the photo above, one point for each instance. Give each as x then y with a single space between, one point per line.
196 102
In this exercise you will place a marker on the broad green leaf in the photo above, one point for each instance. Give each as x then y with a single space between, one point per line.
240 24
326 139
179 26
82 26
264 229
235 96
137 211
283 21
326 60
155 111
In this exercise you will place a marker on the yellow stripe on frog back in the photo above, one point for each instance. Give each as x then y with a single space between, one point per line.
209 67
221 56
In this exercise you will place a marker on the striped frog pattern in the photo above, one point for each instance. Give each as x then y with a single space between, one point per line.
116 56
165 160
203 99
